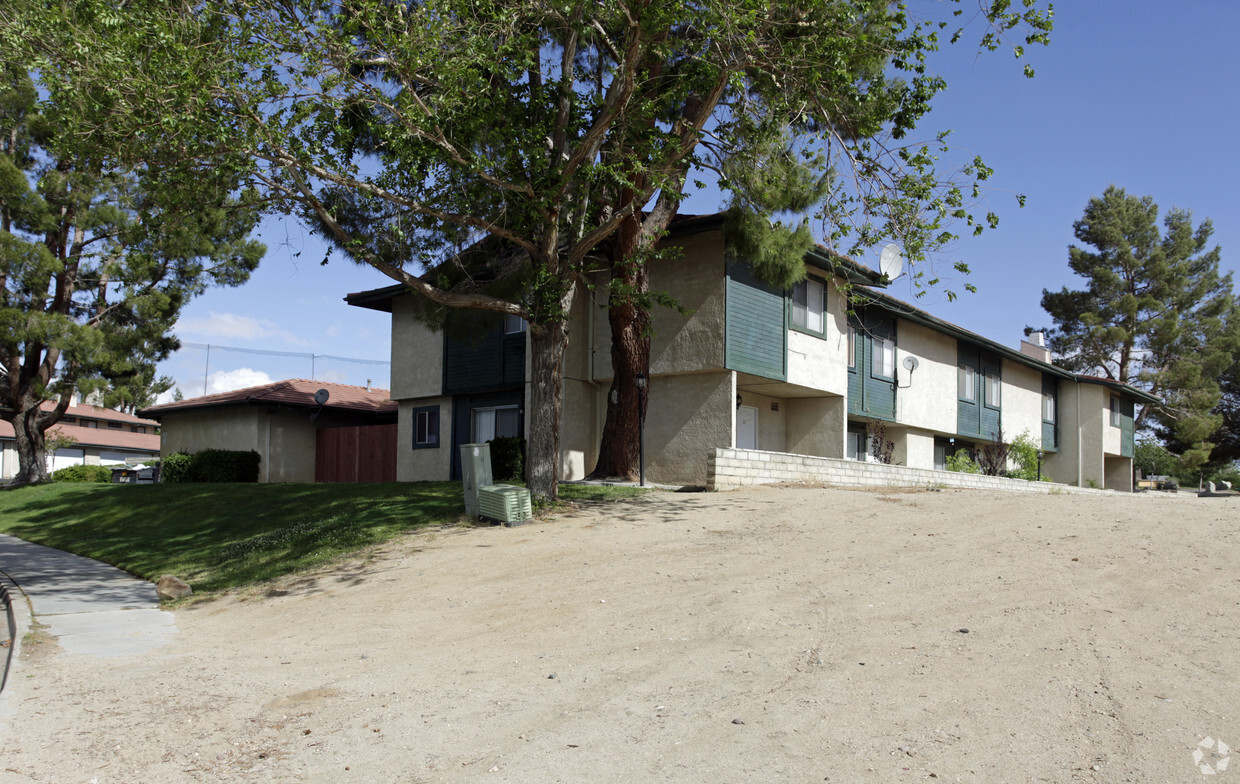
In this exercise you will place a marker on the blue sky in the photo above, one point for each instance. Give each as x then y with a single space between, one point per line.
1138 94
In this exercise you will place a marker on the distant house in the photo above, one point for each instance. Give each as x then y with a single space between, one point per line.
100 436
348 438
747 366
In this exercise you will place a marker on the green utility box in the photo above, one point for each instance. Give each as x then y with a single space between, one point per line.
475 473
508 504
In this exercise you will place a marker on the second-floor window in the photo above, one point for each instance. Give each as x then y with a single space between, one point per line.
994 389
1115 414
966 382
807 310
884 357
1048 407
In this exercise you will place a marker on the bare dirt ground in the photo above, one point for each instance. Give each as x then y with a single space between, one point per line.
791 635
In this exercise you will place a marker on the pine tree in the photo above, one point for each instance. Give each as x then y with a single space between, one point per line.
1153 313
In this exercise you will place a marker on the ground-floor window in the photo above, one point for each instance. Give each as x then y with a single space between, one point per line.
857 444
494 422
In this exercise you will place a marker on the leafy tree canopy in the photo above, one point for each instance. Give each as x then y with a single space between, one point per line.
407 131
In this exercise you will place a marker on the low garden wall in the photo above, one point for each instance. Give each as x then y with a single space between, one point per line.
730 469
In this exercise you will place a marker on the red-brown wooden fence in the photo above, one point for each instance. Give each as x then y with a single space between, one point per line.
356 454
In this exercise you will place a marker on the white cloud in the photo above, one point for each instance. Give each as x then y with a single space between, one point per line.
226 326
228 380
332 331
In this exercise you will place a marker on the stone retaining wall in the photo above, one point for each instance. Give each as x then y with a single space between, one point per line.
730 469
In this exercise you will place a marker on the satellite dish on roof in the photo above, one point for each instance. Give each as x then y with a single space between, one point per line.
321 396
891 262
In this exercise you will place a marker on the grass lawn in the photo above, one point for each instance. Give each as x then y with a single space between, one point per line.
220 536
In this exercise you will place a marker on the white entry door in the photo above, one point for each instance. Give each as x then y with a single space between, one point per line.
746 427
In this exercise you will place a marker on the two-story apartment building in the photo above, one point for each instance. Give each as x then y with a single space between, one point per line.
752 367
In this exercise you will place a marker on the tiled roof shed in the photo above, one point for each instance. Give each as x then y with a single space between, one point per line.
291 393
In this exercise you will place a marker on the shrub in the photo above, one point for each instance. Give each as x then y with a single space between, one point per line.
225 465
992 457
507 458
881 448
176 467
963 463
1024 452
212 465
83 473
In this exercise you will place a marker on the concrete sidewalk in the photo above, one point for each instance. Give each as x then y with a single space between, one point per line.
90 607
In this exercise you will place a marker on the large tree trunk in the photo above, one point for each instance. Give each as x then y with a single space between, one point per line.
31 457
630 355
629 318
542 422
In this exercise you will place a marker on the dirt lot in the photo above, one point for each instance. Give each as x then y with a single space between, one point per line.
799 635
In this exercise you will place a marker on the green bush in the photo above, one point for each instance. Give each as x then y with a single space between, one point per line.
225 465
176 468
1024 452
963 462
212 465
507 459
83 473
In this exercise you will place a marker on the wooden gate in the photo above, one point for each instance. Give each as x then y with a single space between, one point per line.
356 454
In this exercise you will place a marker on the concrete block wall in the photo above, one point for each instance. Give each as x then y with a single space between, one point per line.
731 469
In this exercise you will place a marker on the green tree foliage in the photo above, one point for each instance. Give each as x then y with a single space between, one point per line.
562 135
96 261
1154 313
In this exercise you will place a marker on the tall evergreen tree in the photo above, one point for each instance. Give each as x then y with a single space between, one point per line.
1153 313
96 261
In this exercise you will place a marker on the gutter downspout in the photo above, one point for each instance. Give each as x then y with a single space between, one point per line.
267 453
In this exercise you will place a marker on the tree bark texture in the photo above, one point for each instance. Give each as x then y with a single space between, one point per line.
542 424
630 355
30 446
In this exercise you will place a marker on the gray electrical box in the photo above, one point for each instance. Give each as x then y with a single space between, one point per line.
475 473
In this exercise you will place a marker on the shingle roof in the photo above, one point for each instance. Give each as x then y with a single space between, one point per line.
294 392
105 437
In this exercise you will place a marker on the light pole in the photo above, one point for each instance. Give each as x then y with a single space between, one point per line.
640 383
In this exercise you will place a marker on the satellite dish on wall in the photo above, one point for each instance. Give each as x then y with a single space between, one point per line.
321 396
910 363
891 261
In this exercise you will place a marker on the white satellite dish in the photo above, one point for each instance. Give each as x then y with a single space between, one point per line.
910 363
321 396
891 262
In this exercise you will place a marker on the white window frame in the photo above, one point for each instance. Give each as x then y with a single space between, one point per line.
1116 419
883 363
966 383
994 390
852 348
494 412
1048 407
807 306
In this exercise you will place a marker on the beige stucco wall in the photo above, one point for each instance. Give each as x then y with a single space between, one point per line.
1118 473
1112 436
913 448
929 401
815 426
688 417
288 448
1021 404
770 423
216 428
822 363
417 374
682 343
424 465
1093 425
